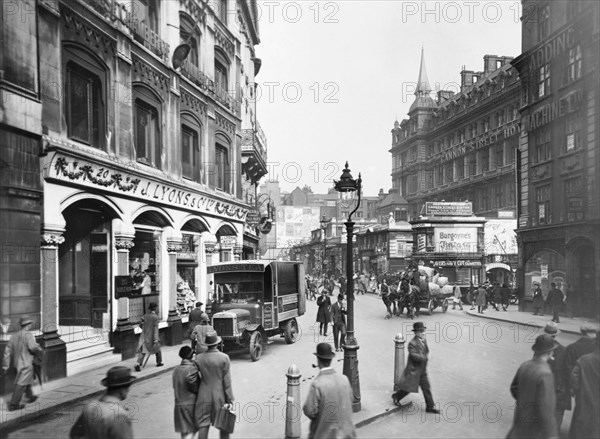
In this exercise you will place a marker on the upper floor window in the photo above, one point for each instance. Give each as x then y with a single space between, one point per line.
222 164
574 70
460 168
190 149
544 81
572 132
574 199
188 33
543 20
223 11
499 160
221 71
499 118
542 145
146 12
147 127
574 8
542 199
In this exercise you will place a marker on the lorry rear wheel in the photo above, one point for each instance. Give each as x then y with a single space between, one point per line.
256 346
290 333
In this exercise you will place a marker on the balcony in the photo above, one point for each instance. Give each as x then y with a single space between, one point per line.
196 76
150 39
254 153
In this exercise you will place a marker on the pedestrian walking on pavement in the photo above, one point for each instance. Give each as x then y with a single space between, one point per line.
328 404
186 381
555 302
215 389
338 315
415 373
199 334
20 353
149 343
558 365
505 296
533 389
585 382
481 300
194 320
538 301
497 293
385 297
472 295
323 313
107 417
457 299
584 345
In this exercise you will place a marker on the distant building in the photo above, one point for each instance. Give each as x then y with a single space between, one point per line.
559 210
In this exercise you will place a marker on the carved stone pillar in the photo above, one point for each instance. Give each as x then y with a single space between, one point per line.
237 252
55 358
174 334
123 338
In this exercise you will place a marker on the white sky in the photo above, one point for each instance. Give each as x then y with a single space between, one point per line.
353 62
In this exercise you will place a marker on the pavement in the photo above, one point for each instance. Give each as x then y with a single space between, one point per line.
66 393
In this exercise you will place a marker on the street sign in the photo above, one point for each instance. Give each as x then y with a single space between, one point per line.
449 209
253 217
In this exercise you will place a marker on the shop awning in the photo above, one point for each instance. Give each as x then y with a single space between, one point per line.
493 265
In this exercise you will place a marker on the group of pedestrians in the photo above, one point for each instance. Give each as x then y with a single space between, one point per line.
554 301
485 294
543 387
332 314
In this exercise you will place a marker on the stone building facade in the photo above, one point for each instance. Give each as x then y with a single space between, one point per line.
559 211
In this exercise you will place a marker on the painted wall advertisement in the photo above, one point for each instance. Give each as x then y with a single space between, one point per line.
500 237
455 239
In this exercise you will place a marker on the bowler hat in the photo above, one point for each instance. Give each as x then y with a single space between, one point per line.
340 297
199 304
118 376
212 339
324 351
185 352
25 320
551 328
419 327
544 343
152 306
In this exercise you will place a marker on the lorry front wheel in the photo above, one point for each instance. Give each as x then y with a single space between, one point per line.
256 346
290 333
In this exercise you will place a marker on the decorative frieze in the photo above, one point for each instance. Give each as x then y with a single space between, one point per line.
124 244
192 104
143 72
224 123
78 30
52 239
224 42
174 246
195 10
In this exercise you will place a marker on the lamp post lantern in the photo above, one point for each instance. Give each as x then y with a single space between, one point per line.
347 186
324 223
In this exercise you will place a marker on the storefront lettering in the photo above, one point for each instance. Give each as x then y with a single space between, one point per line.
552 49
459 263
93 175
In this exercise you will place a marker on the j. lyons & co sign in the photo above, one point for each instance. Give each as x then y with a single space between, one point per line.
72 170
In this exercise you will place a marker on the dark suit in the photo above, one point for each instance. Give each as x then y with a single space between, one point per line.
339 325
558 365
105 418
533 388
215 388
329 406
584 345
19 353
415 373
585 381
149 341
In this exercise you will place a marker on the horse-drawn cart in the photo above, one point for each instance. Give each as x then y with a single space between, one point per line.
431 301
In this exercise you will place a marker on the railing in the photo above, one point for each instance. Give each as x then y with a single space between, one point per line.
195 75
150 39
251 143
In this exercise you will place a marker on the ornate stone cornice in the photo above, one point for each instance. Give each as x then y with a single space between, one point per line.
52 240
143 72
224 42
211 248
77 29
192 104
225 123
194 9
174 246
124 244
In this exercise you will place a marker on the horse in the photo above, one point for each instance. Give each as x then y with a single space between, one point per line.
410 298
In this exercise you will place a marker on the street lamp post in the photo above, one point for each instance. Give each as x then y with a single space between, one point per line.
347 186
324 223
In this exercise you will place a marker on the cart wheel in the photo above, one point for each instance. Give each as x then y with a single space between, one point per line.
445 305
430 306
256 346
290 333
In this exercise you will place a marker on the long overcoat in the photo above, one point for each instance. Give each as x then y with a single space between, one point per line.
215 385
106 418
558 365
584 345
324 313
533 388
186 380
19 353
538 298
201 331
329 406
149 343
585 381
416 365
481 297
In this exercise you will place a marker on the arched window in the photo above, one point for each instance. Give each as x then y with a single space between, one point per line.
147 112
222 163
190 148
189 33
221 71
85 96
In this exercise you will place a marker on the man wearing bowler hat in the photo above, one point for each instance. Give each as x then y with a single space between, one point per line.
558 365
329 401
533 390
107 418
415 373
149 342
19 353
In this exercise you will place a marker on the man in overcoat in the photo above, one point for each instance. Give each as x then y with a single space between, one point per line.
533 389
149 341
415 372
584 345
194 320
215 385
323 313
555 302
585 382
185 387
328 404
538 300
19 353
199 334
338 314
558 365
107 418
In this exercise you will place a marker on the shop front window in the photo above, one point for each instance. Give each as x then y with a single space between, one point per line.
543 268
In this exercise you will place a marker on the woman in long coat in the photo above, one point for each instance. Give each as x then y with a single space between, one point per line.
185 387
324 312
481 300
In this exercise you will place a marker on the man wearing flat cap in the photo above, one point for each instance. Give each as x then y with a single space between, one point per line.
19 353
328 404
107 418
533 390
585 345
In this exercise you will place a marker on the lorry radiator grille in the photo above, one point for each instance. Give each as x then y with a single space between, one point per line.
224 327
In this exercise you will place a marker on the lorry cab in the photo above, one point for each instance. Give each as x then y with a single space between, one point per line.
256 300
